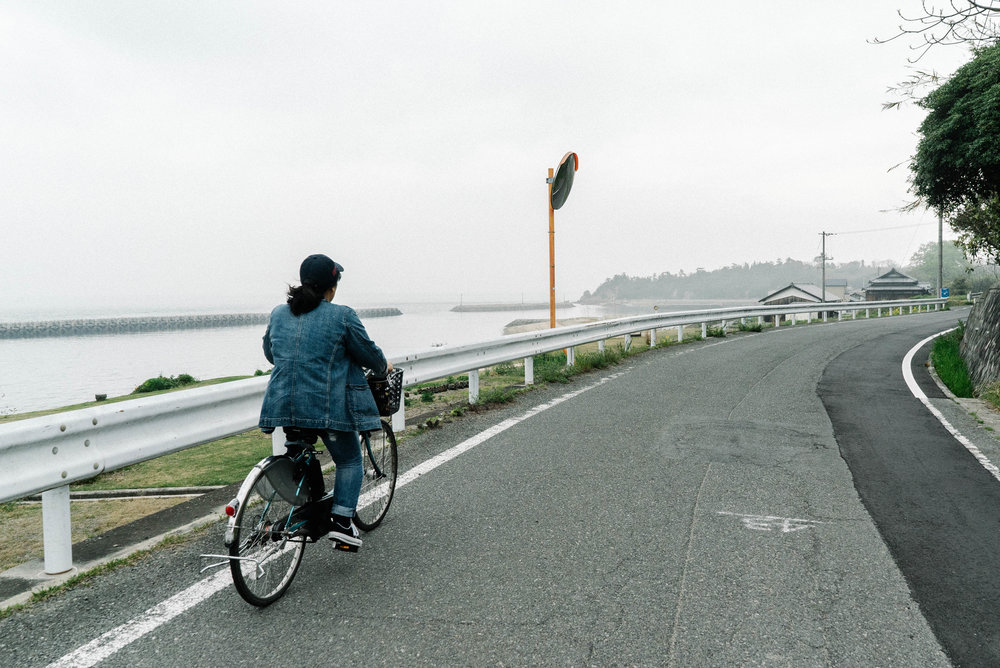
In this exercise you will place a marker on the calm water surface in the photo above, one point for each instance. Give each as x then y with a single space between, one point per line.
42 373
49 372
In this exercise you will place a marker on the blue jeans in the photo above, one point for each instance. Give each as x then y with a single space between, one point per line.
345 450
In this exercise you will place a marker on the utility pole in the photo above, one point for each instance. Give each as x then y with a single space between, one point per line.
940 285
822 257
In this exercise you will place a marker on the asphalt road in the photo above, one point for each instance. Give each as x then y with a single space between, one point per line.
934 503
690 507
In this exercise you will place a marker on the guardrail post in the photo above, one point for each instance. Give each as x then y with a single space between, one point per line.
777 320
473 386
570 356
704 330
680 333
628 342
278 441
399 417
600 346
56 530
868 313
529 370
652 338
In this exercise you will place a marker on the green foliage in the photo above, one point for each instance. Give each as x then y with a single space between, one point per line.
956 169
496 396
427 396
959 273
507 369
949 365
747 281
747 327
551 368
161 383
718 332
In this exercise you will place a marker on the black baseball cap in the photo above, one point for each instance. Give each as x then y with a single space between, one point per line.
321 271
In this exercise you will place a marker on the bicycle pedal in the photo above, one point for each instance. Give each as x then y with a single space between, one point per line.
344 546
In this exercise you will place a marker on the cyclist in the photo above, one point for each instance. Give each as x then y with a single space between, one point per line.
318 388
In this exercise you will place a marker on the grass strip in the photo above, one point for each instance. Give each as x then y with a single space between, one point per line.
949 365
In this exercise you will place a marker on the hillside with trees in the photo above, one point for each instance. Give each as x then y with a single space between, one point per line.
753 281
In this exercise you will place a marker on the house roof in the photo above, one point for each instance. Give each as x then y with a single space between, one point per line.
893 277
894 281
806 291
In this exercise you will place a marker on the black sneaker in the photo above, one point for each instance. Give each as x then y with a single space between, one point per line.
344 534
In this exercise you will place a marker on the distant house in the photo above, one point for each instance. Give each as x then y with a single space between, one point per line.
837 286
795 293
894 285
798 292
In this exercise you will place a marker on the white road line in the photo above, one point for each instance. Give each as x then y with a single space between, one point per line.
101 648
919 394
104 646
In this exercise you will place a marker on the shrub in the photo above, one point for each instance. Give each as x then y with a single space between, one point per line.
948 363
496 395
161 383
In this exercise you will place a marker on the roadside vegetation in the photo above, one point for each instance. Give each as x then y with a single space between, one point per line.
949 365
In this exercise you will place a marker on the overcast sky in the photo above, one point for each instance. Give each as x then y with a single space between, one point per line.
192 153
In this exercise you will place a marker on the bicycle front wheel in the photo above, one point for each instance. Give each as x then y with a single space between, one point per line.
378 450
264 553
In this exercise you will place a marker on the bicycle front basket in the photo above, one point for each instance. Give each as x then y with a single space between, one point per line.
387 390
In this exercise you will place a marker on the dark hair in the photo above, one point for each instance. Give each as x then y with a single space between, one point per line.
304 298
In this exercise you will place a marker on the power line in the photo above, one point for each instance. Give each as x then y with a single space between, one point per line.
884 229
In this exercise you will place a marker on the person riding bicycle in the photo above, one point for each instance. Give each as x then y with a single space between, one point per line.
317 388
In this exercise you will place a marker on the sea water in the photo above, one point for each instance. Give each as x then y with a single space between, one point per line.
49 372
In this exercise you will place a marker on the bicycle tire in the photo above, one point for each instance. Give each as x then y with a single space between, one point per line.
378 452
268 556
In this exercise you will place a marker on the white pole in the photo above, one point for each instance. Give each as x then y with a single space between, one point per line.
57 538
473 386
399 417
278 441
529 370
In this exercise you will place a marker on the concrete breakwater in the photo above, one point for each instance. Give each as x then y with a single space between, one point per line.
124 325
529 306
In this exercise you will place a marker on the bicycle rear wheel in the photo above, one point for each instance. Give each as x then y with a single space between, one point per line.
378 450
265 554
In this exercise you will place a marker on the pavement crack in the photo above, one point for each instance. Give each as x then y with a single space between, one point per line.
687 563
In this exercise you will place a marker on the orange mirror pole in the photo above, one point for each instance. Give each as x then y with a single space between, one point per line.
552 257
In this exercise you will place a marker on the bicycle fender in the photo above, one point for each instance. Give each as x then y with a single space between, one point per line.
241 496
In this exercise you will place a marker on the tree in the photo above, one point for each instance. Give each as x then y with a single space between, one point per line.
924 263
956 169
971 22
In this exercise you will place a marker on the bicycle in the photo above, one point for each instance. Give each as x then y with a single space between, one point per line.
282 505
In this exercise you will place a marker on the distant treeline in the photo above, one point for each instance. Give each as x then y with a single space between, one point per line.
757 280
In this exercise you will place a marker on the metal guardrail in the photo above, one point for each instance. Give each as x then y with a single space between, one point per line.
46 454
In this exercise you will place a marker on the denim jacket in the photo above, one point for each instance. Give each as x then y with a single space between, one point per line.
318 381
